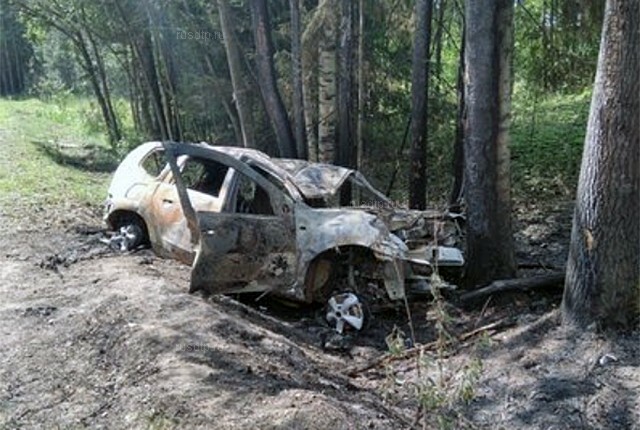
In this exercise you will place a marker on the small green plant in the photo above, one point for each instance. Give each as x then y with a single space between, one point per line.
158 420
438 388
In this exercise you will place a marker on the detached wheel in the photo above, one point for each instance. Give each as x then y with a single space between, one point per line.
344 310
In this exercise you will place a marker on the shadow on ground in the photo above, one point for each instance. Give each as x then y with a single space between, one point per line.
90 158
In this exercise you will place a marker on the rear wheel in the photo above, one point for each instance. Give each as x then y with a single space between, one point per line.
132 236
130 232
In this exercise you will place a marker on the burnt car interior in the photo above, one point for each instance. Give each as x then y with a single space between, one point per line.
205 176
155 163
251 198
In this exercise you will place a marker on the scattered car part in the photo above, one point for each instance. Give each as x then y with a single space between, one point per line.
345 308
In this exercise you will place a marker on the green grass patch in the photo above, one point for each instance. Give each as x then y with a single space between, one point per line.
547 137
49 155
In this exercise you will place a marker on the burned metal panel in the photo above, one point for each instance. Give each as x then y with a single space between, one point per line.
321 180
241 249
320 230
168 229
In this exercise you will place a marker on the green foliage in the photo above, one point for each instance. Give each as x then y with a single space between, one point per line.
547 138
556 46
15 52
441 388
555 53
51 154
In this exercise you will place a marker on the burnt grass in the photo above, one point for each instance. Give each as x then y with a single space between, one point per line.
100 339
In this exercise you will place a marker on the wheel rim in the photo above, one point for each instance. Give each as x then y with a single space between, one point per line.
345 310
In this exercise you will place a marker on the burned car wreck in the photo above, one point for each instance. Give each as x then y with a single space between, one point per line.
247 222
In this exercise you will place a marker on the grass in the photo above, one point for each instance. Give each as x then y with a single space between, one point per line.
547 137
50 155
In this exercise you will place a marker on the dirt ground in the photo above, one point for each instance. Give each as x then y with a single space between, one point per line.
92 338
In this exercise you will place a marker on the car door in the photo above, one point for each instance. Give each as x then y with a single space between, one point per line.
205 184
250 245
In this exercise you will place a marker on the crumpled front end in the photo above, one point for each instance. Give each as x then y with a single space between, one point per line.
339 232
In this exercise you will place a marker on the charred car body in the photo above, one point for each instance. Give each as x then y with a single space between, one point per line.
250 223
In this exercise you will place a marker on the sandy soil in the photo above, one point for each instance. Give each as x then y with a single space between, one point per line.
91 338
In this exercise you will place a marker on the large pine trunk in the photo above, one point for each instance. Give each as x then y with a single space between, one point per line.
603 271
488 53
419 100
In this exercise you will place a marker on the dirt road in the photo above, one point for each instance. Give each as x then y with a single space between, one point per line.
94 339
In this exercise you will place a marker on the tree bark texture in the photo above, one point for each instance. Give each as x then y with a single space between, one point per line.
327 84
238 82
267 79
603 270
346 123
296 72
488 54
419 106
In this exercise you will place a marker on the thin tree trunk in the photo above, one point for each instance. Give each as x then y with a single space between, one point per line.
437 44
102 74
267 79
458 144
89 67
489 45
327 85
239 83
310 93
346 135
296 66
231 113
361 89
603 270
419 106
310 68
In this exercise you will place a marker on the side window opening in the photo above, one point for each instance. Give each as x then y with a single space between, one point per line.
154 163
205 176
251 198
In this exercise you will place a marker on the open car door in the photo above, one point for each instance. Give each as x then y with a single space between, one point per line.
248 247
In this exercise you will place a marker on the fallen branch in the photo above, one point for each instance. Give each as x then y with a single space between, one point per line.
521 284
387 358
538 265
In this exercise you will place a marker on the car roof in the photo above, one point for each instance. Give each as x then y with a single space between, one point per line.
313 180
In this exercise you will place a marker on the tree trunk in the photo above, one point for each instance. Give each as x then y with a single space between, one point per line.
346 135
102 74
603 270
327 85
455 199
419 108
488 54
89 67
437 44
310 93
310 73
296 72
267 79
361 89
238 82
